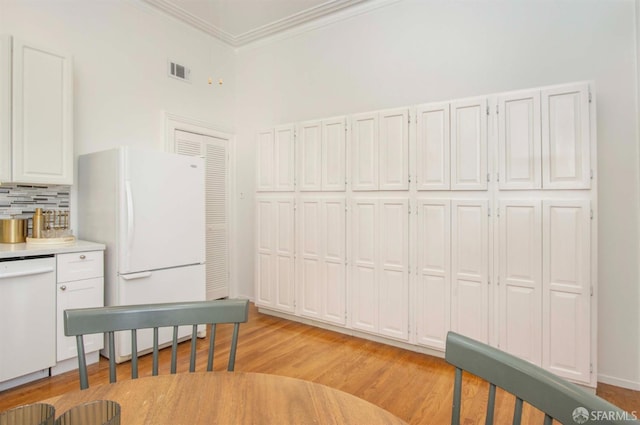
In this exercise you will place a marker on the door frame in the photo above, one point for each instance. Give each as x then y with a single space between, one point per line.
174 122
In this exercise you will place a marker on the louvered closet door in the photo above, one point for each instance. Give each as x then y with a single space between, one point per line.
215 153
520 258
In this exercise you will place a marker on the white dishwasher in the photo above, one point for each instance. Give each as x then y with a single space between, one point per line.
27 315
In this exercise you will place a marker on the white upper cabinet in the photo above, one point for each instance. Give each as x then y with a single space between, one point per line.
380 150
544 138
322 155
565 137
275 159
519 142
566 283
469 144
264 160
334 147
433 144
40 113
310 155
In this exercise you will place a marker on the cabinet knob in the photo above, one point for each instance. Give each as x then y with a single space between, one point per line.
63 288
82 257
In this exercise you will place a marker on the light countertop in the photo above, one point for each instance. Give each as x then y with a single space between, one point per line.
10 250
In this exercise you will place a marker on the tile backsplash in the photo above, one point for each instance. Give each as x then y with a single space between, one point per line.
21 200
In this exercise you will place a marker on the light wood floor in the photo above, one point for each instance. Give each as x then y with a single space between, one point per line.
412 386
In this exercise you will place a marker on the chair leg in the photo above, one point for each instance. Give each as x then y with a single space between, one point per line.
457 396
234 344
212 340
491 402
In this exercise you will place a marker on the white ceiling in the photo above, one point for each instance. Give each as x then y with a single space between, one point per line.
238 22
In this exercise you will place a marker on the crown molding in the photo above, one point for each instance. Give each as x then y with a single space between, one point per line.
259 33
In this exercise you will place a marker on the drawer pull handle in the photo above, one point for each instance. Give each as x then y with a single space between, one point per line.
82 257
63 288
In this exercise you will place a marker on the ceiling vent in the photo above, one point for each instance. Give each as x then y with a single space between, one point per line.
179 72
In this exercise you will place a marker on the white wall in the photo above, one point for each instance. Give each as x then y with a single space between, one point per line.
120 50
416 51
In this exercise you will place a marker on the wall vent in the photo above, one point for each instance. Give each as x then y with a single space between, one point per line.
179 72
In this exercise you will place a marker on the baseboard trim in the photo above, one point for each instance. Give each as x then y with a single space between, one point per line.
619 382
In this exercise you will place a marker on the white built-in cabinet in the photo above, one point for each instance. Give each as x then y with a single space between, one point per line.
379 295
494 237
36 114
321 262
380 150
275 256
276 155
322 155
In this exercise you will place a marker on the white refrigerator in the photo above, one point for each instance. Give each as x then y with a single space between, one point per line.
148 208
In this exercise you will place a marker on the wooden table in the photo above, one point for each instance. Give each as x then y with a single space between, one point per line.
228 398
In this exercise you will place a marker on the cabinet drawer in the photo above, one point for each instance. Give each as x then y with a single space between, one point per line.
80 265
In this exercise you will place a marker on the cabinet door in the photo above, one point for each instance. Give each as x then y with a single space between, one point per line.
520 279
264 161
393 152
310 155
364 151
469 144
364 285
310 232
265 258
433 285
393 246
334 230
78 294
5 108
285 255
334 145
469 268
42 116
284 138
432 132
566 333
565 138
519 142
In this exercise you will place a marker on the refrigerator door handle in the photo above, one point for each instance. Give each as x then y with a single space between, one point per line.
129 195
133 276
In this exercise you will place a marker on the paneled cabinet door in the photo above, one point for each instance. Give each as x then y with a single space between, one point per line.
469 268
380 150
322 270
310 155
264 161
274 274
433 284
394 150
284 138
520 279
566 332
334 145
565 137
78 294
364 151
469 144
379 272
519 143
42 116
433 145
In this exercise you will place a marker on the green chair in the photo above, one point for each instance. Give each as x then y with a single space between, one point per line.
557 398
86 321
